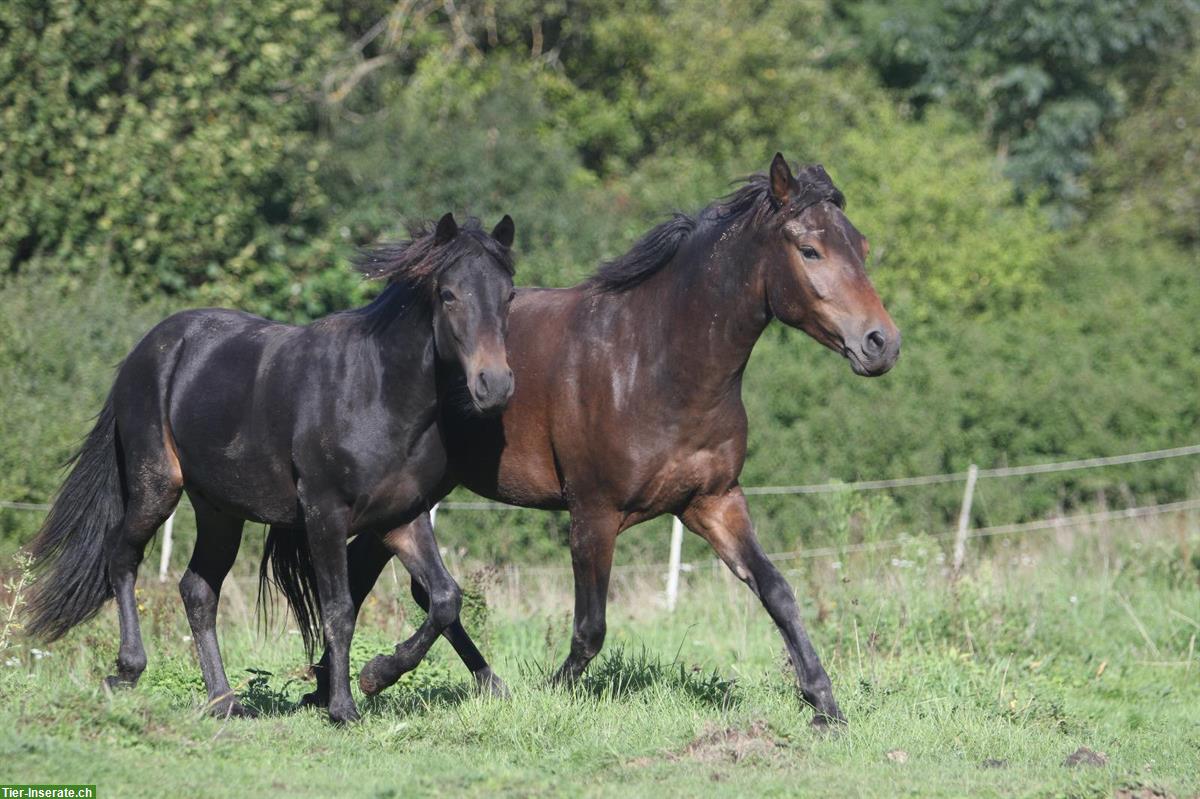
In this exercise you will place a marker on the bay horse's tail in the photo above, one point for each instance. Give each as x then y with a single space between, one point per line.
70 550
291 573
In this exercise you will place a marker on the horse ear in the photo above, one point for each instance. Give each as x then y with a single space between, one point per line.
504 230
447 229
781 179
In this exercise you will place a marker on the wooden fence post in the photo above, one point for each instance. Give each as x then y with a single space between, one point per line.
964 521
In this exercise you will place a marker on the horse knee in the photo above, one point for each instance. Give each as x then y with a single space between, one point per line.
444 605
589 636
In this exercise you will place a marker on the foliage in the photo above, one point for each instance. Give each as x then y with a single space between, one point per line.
588 122
57 361
506 134
170 142
1043 78
1149 174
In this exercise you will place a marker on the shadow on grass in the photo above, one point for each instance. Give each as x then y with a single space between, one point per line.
263 699
414 700
619 674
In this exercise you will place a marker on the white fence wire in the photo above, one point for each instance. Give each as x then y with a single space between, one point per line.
962 533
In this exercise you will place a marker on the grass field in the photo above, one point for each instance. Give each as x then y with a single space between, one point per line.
1049 643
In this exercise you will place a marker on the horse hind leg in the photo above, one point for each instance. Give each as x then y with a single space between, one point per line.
153 485
151 500
218 537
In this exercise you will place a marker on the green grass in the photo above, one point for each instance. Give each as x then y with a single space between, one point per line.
1042 648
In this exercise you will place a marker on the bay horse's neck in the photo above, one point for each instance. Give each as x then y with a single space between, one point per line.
706 308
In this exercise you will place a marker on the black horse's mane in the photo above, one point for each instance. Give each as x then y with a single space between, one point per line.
418 260
752 203
412 266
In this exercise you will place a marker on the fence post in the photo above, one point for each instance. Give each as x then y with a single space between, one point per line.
964 520
674 565
433 514
164 561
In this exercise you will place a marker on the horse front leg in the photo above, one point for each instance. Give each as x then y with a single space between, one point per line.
724 521
486 680
593 537
417 549
366 556
326 525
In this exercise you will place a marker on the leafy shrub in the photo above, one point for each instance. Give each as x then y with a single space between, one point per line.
169 142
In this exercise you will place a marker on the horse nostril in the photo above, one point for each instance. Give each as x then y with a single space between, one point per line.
874 343
481 385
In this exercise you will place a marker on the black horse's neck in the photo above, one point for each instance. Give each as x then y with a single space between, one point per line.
398 311
395 330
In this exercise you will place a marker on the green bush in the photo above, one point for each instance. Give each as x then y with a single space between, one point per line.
202 153
58 355
169 142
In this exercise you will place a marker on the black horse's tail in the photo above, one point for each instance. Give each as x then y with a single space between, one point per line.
70 552
291 573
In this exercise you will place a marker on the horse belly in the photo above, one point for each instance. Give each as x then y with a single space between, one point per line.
256 488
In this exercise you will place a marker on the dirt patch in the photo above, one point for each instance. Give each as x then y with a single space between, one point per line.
992 762
1142 792
730 745
1086 757
898 756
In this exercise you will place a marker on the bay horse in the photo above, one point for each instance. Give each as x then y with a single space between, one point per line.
323 431
628 400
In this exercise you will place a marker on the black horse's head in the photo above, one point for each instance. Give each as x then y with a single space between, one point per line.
471 295
465 277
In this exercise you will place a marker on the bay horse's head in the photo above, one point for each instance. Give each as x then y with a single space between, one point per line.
466 277
814 270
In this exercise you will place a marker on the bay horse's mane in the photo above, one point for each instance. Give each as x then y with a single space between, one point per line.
411 266
753 203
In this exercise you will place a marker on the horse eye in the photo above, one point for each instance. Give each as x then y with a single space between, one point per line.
809 253
512 295
447 296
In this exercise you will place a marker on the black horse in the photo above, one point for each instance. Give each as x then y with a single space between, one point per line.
325 431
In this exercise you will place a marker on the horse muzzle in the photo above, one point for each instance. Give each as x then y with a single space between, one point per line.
876 352
491 389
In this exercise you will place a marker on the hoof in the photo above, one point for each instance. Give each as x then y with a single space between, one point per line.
226 707
375 676
488 684
563 681
828 725
115 682
314 699
341 716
